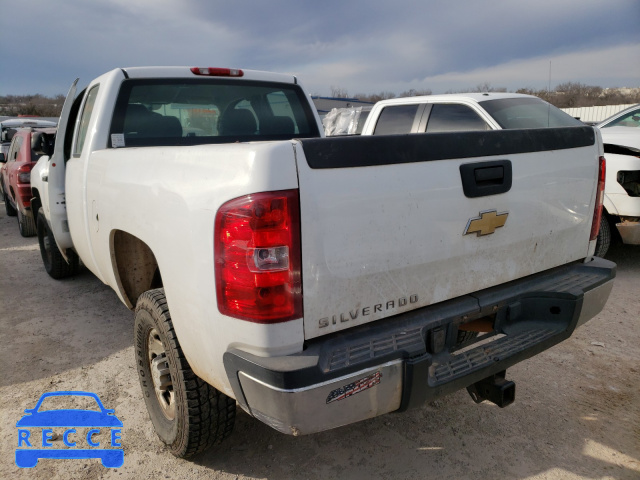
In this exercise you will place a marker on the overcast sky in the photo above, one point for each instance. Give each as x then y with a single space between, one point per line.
357 46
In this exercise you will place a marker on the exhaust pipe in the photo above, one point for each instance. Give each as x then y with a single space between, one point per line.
496 389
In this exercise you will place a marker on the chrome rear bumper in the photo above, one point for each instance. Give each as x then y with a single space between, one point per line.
401 362
630 232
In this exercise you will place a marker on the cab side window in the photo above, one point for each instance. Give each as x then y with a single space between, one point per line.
83 126
631 119
449 117
396 119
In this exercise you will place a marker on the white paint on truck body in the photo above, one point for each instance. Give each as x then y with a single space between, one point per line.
173 212
168 198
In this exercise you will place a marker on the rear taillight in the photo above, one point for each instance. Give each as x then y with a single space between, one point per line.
257 257
217 72
24 173
597 213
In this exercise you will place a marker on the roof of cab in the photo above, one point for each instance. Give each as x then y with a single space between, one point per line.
185 72
26 122
454 97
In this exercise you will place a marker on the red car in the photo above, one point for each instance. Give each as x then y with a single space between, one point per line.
27 146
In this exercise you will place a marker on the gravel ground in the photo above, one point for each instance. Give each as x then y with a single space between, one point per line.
576 415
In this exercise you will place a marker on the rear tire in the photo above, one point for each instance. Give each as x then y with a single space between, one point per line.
604 237
26 225
54 263
188 414
11 212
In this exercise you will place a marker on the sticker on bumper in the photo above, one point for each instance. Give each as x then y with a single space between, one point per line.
355 387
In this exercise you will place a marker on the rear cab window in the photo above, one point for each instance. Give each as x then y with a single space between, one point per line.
165 112
527 113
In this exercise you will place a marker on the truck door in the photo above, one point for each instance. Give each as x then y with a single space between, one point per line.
76 179
56 178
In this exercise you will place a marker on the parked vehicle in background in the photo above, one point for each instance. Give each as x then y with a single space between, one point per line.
629 117
315 281
27 146
621 138
9 126
462 113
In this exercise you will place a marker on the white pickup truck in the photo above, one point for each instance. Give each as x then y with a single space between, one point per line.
315 281
621 205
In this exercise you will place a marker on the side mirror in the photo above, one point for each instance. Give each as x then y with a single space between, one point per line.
42 143
3 159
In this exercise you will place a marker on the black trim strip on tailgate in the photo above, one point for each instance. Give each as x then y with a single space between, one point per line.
366 151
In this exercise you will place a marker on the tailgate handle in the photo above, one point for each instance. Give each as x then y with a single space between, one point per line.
489 175
481 179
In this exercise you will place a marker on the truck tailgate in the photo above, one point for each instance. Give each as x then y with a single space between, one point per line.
388 227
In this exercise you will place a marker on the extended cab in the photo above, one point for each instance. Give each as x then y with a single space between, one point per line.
315 281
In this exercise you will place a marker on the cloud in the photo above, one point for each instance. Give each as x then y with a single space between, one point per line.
606 67
362 47
614 66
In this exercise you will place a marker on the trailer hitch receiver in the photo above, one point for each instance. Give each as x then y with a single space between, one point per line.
496 389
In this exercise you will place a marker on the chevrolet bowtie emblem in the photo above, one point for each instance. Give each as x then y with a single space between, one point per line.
486 223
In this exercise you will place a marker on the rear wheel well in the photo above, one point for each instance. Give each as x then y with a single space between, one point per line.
135 266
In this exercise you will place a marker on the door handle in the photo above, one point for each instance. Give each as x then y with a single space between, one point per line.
481 179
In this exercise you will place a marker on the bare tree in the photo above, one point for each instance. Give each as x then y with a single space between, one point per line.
38 105
480 88
374 97
416 93
486 87
337 92
574 94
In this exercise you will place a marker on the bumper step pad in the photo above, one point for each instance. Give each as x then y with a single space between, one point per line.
463 363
